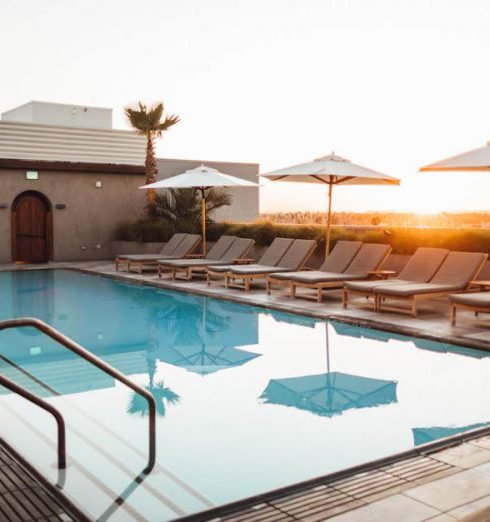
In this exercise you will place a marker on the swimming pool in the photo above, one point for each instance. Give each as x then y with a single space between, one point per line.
249 400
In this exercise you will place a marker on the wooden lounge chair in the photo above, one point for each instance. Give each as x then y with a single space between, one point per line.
178 246
228 249
370 257
454 275
420 268
478 302
336 262
271 257
294 259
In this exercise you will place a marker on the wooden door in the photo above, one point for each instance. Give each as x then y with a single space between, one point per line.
31 229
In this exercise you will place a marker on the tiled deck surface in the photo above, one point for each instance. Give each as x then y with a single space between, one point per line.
448 484
22 498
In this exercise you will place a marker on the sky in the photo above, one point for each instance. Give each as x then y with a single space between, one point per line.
389 84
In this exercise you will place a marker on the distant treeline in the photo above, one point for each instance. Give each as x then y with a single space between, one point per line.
394 219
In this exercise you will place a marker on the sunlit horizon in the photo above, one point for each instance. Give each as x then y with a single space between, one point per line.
390 85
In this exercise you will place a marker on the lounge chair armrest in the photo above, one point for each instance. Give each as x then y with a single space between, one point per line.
305 269
194 256
382 274
244 261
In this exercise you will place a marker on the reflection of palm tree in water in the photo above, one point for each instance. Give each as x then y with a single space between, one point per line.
163 395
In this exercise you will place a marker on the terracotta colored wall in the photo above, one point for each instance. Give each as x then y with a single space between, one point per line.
90 214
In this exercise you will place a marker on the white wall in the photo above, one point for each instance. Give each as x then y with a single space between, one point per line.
245 206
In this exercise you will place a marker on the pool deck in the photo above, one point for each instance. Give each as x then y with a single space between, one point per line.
448 481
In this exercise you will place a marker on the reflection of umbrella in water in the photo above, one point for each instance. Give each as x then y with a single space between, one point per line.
424 435
199 346
330 393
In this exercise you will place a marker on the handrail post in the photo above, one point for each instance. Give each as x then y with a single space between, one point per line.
14 387
102 365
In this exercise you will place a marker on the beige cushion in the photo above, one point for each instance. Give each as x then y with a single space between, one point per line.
297 254
275 251
317 276
341 256
368 258
412 289
424 263
458 269
479 299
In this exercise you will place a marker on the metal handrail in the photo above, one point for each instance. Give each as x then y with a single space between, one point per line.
12 386
102 365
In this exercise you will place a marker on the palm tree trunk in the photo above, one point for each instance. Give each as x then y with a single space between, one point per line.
151 173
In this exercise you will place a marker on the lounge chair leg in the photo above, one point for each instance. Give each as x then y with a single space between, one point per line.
414 308
117 264
453 315
292 291
227 280
344 298
140 268
247 285
319 294
376 303
208 279
128 267
268 283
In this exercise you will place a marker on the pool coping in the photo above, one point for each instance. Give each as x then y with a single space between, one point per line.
244 505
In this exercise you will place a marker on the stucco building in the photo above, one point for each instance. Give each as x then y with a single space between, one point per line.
67 178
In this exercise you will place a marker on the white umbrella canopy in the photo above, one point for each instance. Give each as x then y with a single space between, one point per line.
331 170
201 178
473 160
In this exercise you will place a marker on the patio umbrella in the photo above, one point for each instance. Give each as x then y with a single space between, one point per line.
201 178
473 160
331 170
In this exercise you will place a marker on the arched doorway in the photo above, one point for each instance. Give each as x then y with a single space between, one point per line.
32 228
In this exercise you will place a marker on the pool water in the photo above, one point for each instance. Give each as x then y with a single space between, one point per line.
248 399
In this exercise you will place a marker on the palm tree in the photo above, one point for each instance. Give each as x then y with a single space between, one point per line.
183 206
148 122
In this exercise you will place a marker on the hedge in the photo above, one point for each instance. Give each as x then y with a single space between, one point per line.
404 240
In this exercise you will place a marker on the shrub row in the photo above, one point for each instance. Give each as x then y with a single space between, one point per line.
404 240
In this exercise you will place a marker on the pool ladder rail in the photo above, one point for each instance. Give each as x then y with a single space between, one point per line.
96 361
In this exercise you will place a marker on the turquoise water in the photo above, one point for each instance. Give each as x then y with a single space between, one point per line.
248 399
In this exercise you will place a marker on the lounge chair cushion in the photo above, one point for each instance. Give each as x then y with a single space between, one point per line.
146 257
341 256
424 263
369 258
480 299
238 249
186 246
167 250
459 268
219 249
297 254
413 289
254 269
317 276
275 251
369 286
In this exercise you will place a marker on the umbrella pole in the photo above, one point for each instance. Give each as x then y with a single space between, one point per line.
203 212
329 218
